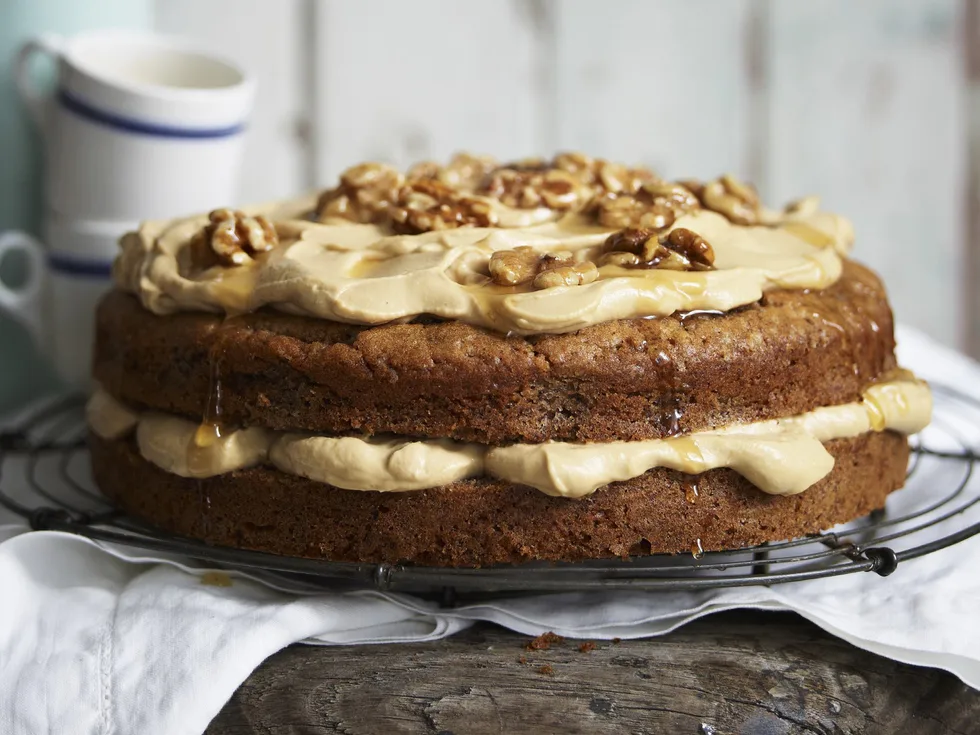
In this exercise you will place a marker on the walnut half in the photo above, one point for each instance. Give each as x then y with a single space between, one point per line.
690 246
231 238
542 270
735 199
679 249
575 274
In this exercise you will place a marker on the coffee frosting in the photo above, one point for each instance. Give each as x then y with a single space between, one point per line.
181 448
109 418
361 274
780 456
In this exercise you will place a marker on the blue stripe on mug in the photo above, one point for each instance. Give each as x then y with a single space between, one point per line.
128 125
74 266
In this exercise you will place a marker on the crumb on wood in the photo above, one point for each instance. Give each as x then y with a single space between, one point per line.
617 640
547 670
586 647
543 642
522 660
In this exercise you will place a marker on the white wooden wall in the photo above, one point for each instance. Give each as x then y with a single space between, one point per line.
863 101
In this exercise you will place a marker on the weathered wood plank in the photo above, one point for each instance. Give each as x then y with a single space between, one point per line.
667 84
400 82
265 38
744 672
866 108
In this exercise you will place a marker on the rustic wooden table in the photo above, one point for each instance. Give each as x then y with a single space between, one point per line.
740 672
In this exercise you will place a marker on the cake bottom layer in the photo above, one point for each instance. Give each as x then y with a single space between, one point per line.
484 521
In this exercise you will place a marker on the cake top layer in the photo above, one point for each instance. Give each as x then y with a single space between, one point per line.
532 247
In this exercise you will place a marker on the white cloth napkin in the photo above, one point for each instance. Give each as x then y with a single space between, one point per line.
98 639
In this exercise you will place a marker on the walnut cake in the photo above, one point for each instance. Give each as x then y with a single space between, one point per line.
480 363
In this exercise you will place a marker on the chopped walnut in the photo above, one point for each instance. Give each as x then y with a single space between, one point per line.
542 270
517 266
633 247
433 196
578 164
690 246
694 186
604 176
571 182
656 205
464 172
680 249
614 178
231 238
364 193
531 188
424 170
576 274
738 201
423 205
531 163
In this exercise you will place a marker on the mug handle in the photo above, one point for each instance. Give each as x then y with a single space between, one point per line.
24 302
35 99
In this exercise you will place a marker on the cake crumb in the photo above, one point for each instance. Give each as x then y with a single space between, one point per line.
522 660
216 579
547 670
617 640
586 647
543 642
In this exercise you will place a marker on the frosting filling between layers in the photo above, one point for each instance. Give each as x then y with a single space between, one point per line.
780 456
362 274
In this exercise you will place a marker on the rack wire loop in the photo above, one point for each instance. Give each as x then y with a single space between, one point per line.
883 559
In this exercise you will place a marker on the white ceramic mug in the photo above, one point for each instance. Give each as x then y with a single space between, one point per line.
139 127
64 281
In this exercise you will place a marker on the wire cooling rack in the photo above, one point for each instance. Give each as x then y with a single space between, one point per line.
44 477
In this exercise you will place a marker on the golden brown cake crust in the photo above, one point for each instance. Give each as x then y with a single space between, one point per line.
629 380
484 521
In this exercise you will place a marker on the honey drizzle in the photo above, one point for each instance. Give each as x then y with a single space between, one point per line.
210 430
685 316
697 551
690 490
670 416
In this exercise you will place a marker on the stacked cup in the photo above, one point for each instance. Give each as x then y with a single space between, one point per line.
139 127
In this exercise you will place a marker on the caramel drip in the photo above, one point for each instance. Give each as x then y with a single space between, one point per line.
210 431
698 313
671 420
697 551
691 490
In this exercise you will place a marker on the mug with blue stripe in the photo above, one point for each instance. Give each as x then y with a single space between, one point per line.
138 127
63 282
